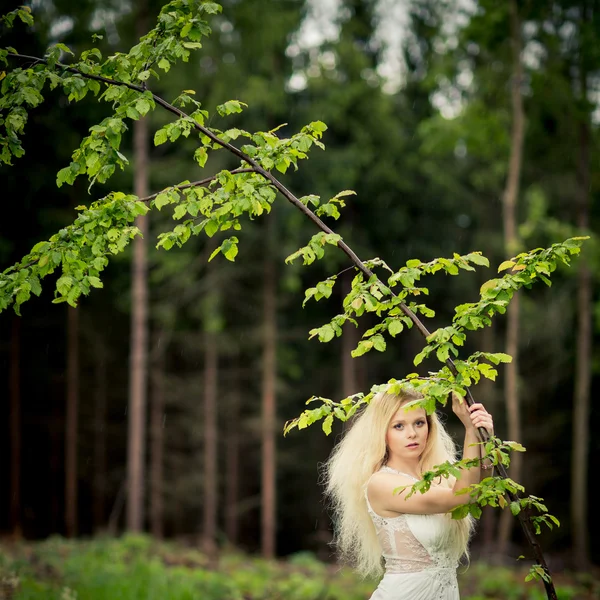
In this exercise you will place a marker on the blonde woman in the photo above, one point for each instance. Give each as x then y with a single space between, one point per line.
388 446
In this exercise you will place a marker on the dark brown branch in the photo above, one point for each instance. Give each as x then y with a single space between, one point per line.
255 166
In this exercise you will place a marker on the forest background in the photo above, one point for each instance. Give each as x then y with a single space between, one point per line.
460 125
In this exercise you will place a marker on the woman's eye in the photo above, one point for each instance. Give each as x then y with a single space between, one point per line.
420 423
398 426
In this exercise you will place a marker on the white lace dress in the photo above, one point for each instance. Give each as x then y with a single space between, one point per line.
416 565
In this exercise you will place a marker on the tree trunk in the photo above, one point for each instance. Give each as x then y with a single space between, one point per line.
232 459
210 443
350 339
583 368
269 408
157 441
71 422
509 201
139 335
15 428
100 408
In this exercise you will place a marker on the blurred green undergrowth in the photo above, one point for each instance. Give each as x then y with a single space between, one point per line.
140 568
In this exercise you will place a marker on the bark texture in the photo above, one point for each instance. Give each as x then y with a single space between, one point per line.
15 427
136 440
269 402
583 367
71 422
509 206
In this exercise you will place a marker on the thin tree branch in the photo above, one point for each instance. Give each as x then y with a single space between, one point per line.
199 183
255 166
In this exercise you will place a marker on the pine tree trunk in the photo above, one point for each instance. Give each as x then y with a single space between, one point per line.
100 408
583 368
509 201
232 459
269 408
157 441
15 428
136 442
71 422
210 443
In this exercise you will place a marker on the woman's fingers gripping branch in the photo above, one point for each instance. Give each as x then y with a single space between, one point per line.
474 416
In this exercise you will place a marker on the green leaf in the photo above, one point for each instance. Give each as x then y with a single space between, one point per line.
487 371
229 107
201 156
318 126
395 327
326 333
327 423
211 228
507 264
143 106
64 284
500 357
478 259
160 137
378 343
95 282
363 346
186 29
229 248
460 512
162 200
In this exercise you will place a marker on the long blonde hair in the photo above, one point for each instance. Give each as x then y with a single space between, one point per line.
360 453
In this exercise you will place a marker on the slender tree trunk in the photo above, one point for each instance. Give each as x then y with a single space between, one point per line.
232 459
509 200
157 441
136 442
15 428
71 422
350 339
56 463
210 443
269 404
583 368
100 408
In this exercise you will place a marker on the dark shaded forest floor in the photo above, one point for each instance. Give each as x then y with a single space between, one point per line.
139 568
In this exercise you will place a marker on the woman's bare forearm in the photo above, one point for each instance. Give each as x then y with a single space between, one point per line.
471 449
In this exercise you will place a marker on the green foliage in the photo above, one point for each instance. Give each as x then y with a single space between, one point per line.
179 29
138 568
80 250
373 296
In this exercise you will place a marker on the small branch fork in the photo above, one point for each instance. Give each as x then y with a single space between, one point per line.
256 167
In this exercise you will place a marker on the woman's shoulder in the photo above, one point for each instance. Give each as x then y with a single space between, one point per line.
381 487
384 479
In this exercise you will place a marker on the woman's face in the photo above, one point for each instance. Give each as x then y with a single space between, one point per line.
407 433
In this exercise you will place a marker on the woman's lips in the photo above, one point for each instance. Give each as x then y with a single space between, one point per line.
412 445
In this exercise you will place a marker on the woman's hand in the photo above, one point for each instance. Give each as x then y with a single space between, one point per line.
473 416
